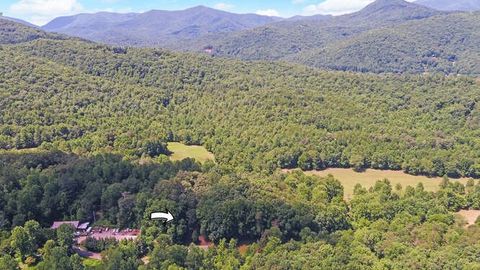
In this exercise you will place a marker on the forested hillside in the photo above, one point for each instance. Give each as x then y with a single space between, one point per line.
83 133
12 32
283 221
446 44
85 97
279 40
386 36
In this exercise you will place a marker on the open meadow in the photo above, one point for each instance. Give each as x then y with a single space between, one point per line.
181 151
349 178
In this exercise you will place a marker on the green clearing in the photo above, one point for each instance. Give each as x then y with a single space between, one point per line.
181 151
350 178
92 264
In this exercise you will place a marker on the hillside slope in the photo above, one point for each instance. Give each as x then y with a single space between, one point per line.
446 44
282 39
12 32
84 97
451 5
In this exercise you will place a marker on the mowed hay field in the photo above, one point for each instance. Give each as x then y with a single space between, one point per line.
181 151
350 178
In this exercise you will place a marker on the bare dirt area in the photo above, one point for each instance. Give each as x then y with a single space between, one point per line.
204 243
470 216
87 254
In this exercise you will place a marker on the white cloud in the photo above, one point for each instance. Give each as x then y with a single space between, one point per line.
42 11
337 7
268 12
223 6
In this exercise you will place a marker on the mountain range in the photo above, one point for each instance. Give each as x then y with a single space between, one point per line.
281 40
155 27
386 36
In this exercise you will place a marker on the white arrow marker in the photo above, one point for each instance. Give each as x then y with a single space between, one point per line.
167 216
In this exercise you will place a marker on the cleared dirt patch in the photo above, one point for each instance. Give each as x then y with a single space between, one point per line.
470 216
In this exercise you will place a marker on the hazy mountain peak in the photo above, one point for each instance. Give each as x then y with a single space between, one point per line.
390 4
202 8
18 21
393 10
451 5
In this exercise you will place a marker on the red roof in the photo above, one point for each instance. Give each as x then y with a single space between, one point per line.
57 224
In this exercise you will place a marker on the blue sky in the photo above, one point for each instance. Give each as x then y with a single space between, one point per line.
41 11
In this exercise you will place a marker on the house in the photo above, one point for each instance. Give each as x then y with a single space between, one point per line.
79 227
57 224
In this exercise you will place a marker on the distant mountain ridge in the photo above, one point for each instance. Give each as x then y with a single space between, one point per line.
451 5
390 11
18 21
14 32
155 27
386 36
280 40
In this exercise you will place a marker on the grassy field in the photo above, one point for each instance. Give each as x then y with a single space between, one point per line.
350 178
181 151
92 264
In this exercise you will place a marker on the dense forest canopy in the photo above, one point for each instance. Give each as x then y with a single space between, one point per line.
84 130
84 97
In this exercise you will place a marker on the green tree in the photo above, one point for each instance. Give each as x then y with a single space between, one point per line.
20 242
65 236
8 263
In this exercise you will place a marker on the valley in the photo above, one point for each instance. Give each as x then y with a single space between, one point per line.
191 138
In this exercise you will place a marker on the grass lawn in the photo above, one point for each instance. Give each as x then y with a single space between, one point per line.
181 151
92 264
350 178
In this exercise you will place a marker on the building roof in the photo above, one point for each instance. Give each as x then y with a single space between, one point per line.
83 226
57 224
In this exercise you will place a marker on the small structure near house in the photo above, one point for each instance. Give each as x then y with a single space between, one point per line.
208 49
83 227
